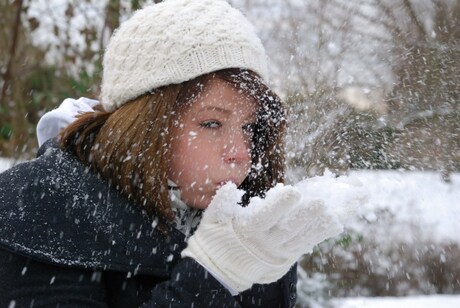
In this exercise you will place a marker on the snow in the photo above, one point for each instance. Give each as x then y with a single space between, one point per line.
444 301
414 198
60 20
342 196
420 199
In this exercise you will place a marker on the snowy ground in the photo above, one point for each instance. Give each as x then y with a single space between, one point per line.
439 301
420 199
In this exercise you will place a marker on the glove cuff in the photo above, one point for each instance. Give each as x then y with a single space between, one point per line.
221 251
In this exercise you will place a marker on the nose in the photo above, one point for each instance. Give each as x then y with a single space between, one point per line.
237 149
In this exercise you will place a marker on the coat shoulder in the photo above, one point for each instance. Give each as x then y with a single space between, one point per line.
55 209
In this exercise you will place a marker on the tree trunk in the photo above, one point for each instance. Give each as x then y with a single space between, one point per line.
14 34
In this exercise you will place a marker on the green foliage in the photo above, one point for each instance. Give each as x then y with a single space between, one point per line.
5 131
135 4
345 240
5 127
84 84
41 86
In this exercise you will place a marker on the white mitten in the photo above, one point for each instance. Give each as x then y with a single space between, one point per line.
259 243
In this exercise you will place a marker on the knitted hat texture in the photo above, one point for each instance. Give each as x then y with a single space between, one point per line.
175 41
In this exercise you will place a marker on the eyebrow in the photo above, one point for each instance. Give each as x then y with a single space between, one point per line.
214 108
218 109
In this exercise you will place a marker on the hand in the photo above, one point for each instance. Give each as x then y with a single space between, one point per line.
259 243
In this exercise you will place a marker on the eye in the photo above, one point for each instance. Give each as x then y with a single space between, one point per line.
210 124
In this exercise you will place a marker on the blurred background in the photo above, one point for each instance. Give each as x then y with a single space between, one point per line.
372 87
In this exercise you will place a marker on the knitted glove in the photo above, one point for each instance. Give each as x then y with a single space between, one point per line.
259 243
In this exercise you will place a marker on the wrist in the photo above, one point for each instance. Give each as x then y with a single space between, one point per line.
222 253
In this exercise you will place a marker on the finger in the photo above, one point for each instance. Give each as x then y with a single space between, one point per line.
301 217
264 213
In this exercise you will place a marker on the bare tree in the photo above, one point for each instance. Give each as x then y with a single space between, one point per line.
369 83
424 101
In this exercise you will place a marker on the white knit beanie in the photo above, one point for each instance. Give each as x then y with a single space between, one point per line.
175 41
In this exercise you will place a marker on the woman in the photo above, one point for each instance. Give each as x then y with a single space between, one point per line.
169 194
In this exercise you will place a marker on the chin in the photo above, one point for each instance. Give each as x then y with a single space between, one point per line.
201 204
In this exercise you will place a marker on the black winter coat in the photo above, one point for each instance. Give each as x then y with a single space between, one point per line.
67 238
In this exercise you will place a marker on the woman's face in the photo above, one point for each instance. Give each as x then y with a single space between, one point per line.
211 142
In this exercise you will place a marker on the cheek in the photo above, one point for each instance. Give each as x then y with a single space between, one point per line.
177 150
189 158
200 157
181 144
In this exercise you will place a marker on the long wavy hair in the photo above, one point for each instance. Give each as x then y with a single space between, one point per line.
129 146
